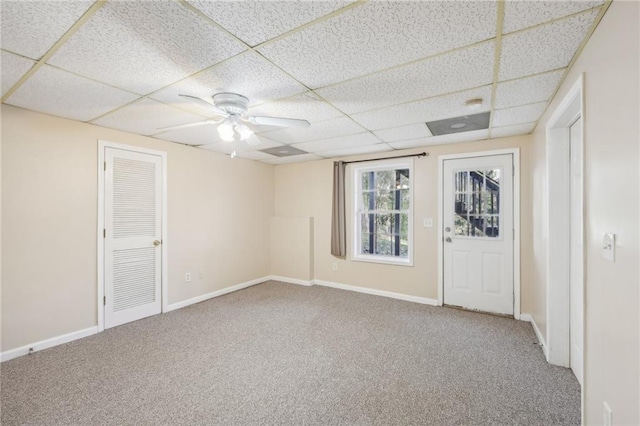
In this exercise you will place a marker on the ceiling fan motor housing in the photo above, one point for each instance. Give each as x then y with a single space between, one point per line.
231 103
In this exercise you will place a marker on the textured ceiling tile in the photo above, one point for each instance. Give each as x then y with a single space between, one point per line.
13 68
518 115
368 149
452 72
412 131
527 90
448 106
341 126
524 14
303 106
342 142
518 129
473 136
31 28
543 48
145 117
256 155
240 146
293 159
60 93
257 21
145 45
199 135
247 74
351 44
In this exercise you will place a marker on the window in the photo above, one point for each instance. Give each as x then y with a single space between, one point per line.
382 213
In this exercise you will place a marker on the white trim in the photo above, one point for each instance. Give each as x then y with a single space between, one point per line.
102 144
307 283
516 220
400 296
47 343
526 317
216 293
557 219
541 340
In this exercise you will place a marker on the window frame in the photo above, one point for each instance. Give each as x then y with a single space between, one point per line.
357 209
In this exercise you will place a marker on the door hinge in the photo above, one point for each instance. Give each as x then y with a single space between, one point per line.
105 166
514 234
104 300
513 170
104 233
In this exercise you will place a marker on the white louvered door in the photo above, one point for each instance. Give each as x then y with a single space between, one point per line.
133 235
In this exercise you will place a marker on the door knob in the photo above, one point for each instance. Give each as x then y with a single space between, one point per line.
448 239
447 229
156 243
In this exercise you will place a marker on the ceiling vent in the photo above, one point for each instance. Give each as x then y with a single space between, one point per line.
465 123
283 151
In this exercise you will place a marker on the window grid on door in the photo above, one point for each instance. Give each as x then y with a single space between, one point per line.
477 203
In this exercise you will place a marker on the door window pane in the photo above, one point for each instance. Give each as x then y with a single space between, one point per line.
477 202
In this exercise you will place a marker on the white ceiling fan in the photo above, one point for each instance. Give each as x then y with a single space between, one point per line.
233 108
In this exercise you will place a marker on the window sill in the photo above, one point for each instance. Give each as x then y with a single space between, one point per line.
383 260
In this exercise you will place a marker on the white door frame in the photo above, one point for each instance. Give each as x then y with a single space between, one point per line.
100 231
516 220
557 232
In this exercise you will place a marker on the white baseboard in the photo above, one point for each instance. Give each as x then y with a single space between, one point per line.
525 317
539 337
217 293
48 343
392 295
291 280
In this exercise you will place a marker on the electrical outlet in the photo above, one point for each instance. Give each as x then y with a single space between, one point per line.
334 266
187 277
608 415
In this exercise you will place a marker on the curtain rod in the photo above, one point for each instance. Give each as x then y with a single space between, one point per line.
421 154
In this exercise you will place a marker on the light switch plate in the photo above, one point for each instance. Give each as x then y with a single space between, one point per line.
609 247
428 223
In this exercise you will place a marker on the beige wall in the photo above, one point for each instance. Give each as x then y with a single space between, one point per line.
218 222
610 63
304 189
292 247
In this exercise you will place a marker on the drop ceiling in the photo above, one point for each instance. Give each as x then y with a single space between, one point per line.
366 74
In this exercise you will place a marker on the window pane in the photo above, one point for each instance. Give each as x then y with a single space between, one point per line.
405 198
385 180
364 243
366 199
476 226
402 179
365 180
383 245
385 200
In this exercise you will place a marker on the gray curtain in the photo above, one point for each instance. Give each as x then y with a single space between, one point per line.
338 215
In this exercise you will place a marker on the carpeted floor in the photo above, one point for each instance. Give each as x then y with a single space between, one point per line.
289 355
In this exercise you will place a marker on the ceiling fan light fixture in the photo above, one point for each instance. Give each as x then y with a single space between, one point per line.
244 132
225 130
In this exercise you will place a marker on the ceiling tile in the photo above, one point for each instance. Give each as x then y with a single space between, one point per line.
518 115
145 117
199 135
256 155
60 93
240 146
303 106
350 44
31 28
341 126
518 129
257 21
13 68
412 131
543 48
527 90
367 149
473 136
143 46
293 159
448 106
247 74
451 72
342 142
525 14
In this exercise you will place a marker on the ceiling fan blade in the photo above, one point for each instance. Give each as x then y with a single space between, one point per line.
253 140
279 122
206 104
186 126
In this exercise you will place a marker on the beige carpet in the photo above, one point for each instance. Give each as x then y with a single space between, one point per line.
289 355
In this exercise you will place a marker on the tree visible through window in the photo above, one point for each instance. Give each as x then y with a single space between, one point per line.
383 213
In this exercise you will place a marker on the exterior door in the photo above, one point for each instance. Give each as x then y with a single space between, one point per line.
577 251
478 233
132 236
